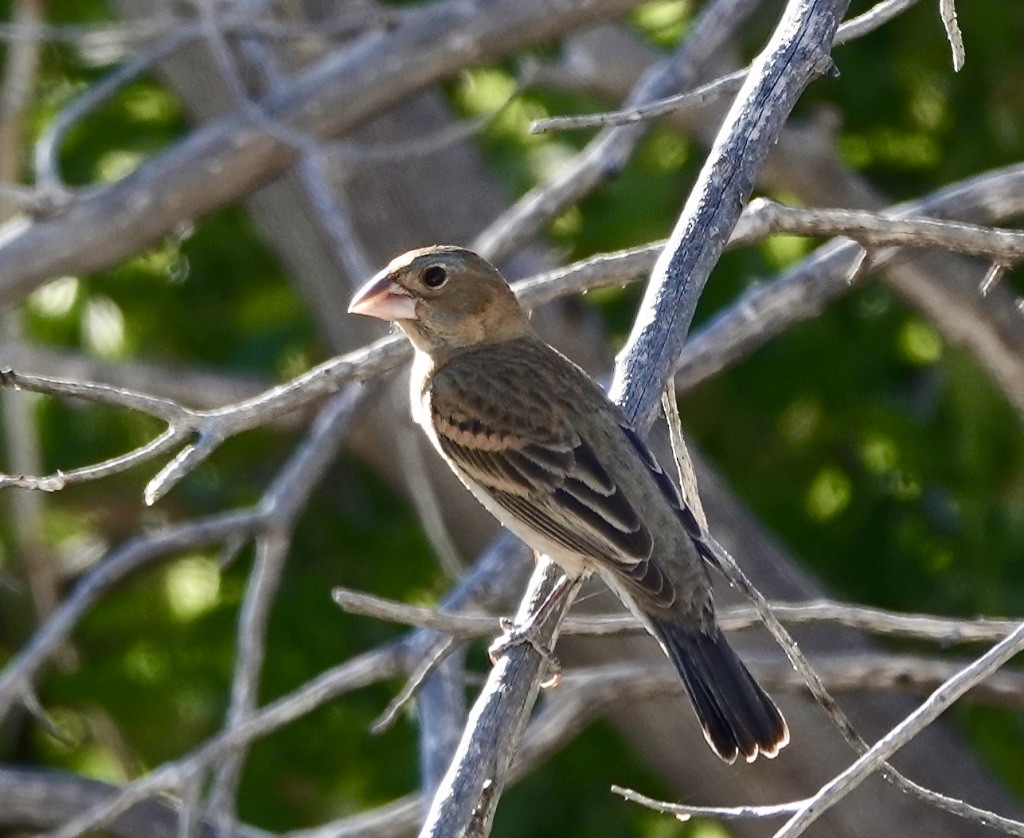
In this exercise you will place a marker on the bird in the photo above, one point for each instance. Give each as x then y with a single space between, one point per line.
538 442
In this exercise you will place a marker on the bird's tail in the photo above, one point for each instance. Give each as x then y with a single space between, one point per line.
737 715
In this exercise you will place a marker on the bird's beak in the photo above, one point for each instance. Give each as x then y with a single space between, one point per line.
384 298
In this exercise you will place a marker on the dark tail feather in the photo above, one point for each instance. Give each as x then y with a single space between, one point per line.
738 717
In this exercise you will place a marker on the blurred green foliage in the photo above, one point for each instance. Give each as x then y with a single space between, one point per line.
880 455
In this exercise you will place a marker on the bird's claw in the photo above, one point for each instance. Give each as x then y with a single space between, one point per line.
513 635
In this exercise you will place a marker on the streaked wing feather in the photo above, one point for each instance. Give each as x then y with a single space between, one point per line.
668 488
533 462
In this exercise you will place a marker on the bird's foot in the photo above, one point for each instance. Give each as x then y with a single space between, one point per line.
513 635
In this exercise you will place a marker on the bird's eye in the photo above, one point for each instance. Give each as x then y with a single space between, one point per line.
435 276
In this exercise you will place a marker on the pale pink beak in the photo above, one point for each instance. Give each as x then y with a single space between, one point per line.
384 298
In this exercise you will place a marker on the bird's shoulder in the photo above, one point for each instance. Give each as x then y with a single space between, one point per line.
521 388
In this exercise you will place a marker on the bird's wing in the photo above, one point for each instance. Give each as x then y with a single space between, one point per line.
506 420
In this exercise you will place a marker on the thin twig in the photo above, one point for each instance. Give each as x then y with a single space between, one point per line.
119 563
412 685
271 551
684 465
684 812
354 674
991 279
712 91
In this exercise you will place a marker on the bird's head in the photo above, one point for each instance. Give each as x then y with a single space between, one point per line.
445 299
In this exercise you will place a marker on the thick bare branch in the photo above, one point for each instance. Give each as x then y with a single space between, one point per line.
797 54
226 158
466 801
875 230
947 11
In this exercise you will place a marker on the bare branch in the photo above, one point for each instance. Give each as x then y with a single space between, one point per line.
684 812
281 503
414 683
710 92
608 152
40 799
271 551
134 554
109 223
854 28
831 707
945 631
199 388
161 444
684 465
947 11
352 675
53 194
992 276
928 712
873 230
857 672
466 800
805 289
796 55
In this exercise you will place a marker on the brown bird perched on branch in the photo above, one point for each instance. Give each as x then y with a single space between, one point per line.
541 446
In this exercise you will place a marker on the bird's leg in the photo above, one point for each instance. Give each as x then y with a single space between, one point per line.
527 632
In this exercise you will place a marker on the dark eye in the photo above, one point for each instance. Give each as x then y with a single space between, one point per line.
435 276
